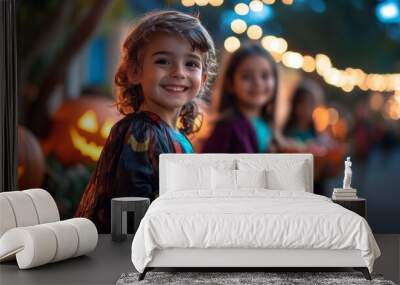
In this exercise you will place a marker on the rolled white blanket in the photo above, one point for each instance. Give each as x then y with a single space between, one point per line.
26 208
7 220
40 244
45 205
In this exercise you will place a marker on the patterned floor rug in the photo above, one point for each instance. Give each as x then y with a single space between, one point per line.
243 278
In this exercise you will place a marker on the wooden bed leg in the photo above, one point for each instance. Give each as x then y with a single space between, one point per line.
364 271
143 274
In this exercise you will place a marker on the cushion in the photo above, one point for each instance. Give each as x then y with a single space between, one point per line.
26 208
251 178
40 244
23 208
7 220
182 177
223 179
280 174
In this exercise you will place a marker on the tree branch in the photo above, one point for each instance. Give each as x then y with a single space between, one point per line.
38 113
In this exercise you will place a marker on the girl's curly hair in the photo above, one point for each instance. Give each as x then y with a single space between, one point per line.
130 96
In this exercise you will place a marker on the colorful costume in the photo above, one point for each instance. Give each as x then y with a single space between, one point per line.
236 134
128 165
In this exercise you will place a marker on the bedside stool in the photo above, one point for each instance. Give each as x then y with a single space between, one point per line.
119 208
358 206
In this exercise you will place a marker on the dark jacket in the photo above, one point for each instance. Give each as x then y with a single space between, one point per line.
232 134
128 166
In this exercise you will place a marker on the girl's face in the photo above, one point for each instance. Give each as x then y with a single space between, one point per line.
254 82
171 73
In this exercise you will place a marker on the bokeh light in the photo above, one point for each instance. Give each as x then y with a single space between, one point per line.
376 101
320 116
188 3
254 32
216 3
231 44
256 6
292 59
309 63
242 9
238 26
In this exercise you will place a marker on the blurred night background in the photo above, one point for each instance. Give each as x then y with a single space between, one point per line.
350 49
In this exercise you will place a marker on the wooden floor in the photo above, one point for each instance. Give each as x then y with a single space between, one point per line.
106 264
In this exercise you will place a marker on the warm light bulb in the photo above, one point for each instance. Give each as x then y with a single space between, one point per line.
254 32
269 2
292 59
238 26
216 3
231 44
256 6
309 63
241 9
188 3
201 2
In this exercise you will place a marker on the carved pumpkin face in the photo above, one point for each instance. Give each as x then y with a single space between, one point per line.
80 128
31 163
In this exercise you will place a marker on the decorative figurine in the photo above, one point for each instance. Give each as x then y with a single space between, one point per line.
347 174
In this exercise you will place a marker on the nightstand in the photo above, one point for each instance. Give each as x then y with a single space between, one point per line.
119 208
358 206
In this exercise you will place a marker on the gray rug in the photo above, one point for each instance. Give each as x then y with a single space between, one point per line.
242 278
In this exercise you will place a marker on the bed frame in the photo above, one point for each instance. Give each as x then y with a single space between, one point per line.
248 258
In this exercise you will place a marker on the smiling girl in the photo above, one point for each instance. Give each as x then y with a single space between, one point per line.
246 107
166 62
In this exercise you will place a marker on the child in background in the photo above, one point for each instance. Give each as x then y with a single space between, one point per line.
166 62
302 135
300 124
246 108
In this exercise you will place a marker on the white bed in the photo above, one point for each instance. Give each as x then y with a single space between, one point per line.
203 218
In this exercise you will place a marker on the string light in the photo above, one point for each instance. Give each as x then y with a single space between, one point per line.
346 79
256 6
254 32
242 9
238 26
231 44
216 3
188 3
308 63
292 59
201 2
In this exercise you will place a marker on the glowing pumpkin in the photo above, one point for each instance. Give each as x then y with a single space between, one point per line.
31 163
80 128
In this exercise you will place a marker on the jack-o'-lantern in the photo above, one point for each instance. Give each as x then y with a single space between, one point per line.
80 128
31 163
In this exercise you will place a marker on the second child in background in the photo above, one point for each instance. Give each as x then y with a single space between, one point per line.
300 124
247 101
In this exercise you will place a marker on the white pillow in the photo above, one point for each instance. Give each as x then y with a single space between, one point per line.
281 174
183 178
251 178
223 179
292 179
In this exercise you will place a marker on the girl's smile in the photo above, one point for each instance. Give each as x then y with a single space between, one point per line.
253 82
